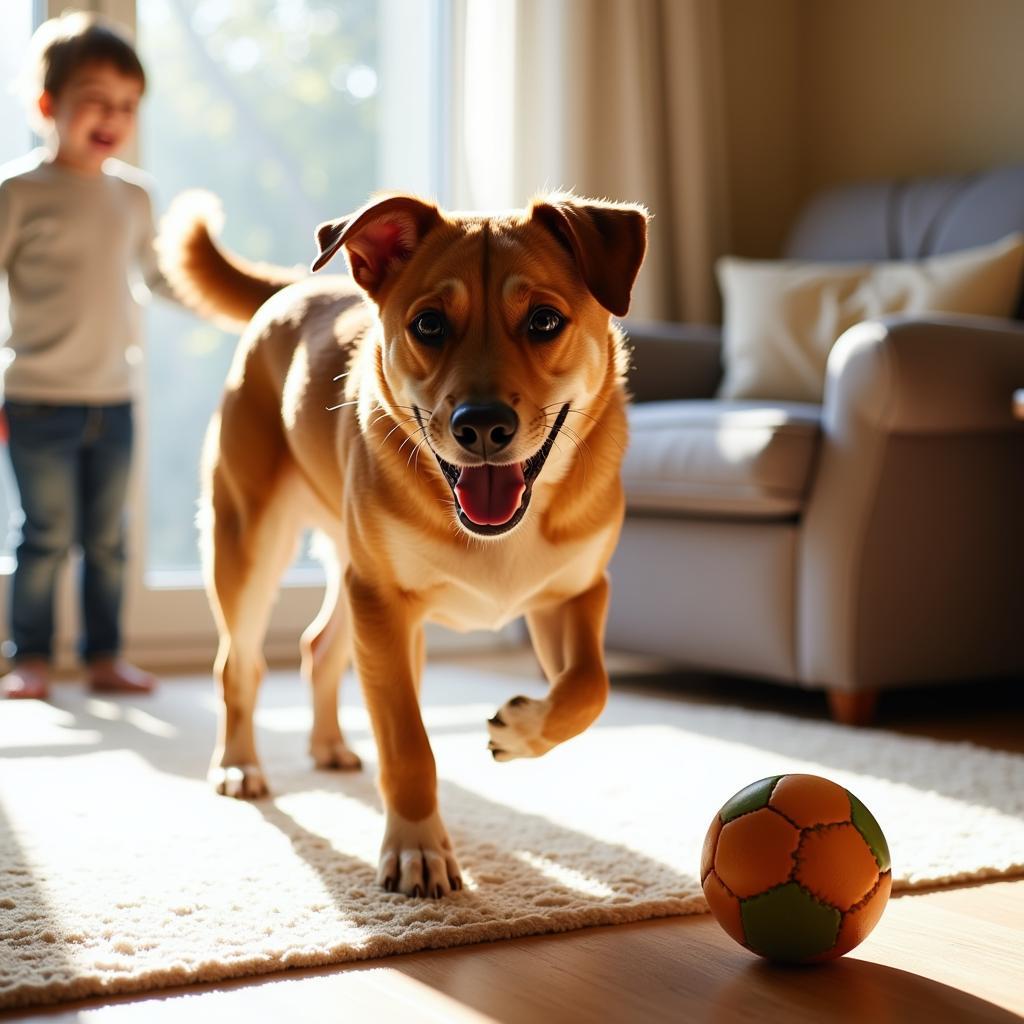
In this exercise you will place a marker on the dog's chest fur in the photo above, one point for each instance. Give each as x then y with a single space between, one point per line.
486 585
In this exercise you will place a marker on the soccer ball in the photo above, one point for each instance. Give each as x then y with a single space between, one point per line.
796 869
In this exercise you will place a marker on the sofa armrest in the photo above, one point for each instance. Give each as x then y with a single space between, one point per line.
934 375
910 543
673 360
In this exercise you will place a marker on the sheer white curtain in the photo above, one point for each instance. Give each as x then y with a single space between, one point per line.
614 98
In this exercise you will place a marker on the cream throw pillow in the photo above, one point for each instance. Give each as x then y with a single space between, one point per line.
782 317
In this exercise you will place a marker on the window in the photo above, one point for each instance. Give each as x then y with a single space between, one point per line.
15 141
291 111
19 23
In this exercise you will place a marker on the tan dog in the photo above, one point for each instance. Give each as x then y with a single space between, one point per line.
456 434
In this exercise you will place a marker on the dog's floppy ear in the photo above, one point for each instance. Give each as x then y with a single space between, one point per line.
607 240
378 239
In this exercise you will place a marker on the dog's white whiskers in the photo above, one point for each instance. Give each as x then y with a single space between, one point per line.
578 412
574 436
408 419
386 413
581 446
558 447
383 416
584 450
598 423
414 451
409 437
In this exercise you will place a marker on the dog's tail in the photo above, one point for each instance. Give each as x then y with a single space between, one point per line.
215 283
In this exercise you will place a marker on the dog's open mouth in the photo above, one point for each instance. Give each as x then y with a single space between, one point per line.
491 499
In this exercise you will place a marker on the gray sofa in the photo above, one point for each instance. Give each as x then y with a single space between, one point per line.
874 541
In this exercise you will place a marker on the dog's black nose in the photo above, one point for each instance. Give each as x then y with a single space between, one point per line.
484 428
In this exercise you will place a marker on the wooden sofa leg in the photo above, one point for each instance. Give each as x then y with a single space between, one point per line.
856 707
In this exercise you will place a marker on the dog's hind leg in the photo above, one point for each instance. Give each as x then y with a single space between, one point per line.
249 549
326 653
568 639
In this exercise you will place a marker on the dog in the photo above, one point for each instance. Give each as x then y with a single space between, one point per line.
451 417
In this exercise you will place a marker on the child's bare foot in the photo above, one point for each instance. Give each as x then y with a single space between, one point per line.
115 675
28 680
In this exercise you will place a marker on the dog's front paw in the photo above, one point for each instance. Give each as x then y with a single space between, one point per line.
516 729
416 858
243 781
334 753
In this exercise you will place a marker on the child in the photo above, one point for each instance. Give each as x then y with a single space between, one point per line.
72 226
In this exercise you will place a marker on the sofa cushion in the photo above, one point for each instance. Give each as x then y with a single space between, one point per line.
750 460
782 317
909 219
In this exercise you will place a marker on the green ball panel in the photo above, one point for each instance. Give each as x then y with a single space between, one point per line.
750 798
865 823
788 923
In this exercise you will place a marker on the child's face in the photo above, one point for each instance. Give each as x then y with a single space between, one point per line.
93 115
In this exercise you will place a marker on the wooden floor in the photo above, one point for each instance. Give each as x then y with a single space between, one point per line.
946 956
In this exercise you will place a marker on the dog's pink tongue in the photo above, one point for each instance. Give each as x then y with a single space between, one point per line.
490 495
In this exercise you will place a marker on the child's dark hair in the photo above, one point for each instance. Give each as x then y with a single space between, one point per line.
75 39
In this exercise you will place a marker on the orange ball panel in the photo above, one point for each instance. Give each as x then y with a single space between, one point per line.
707 857
858 924
724 906
755 852
809 800
836 866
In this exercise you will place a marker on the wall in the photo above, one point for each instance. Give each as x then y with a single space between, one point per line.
825 91
909 87
760 62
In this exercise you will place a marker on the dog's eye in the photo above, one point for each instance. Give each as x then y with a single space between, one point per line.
430 327
545 323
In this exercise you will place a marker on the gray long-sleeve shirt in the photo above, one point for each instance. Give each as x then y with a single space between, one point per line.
70 245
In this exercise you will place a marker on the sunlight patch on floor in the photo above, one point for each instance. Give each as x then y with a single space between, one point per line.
571 879
34 723
332 818
110 711
379 993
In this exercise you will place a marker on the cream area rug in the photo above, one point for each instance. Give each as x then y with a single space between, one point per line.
121 871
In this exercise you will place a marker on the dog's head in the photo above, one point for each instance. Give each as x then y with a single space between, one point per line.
496 329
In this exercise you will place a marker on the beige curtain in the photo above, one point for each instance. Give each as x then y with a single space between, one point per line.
613 98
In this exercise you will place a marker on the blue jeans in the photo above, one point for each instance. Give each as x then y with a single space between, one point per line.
71 463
